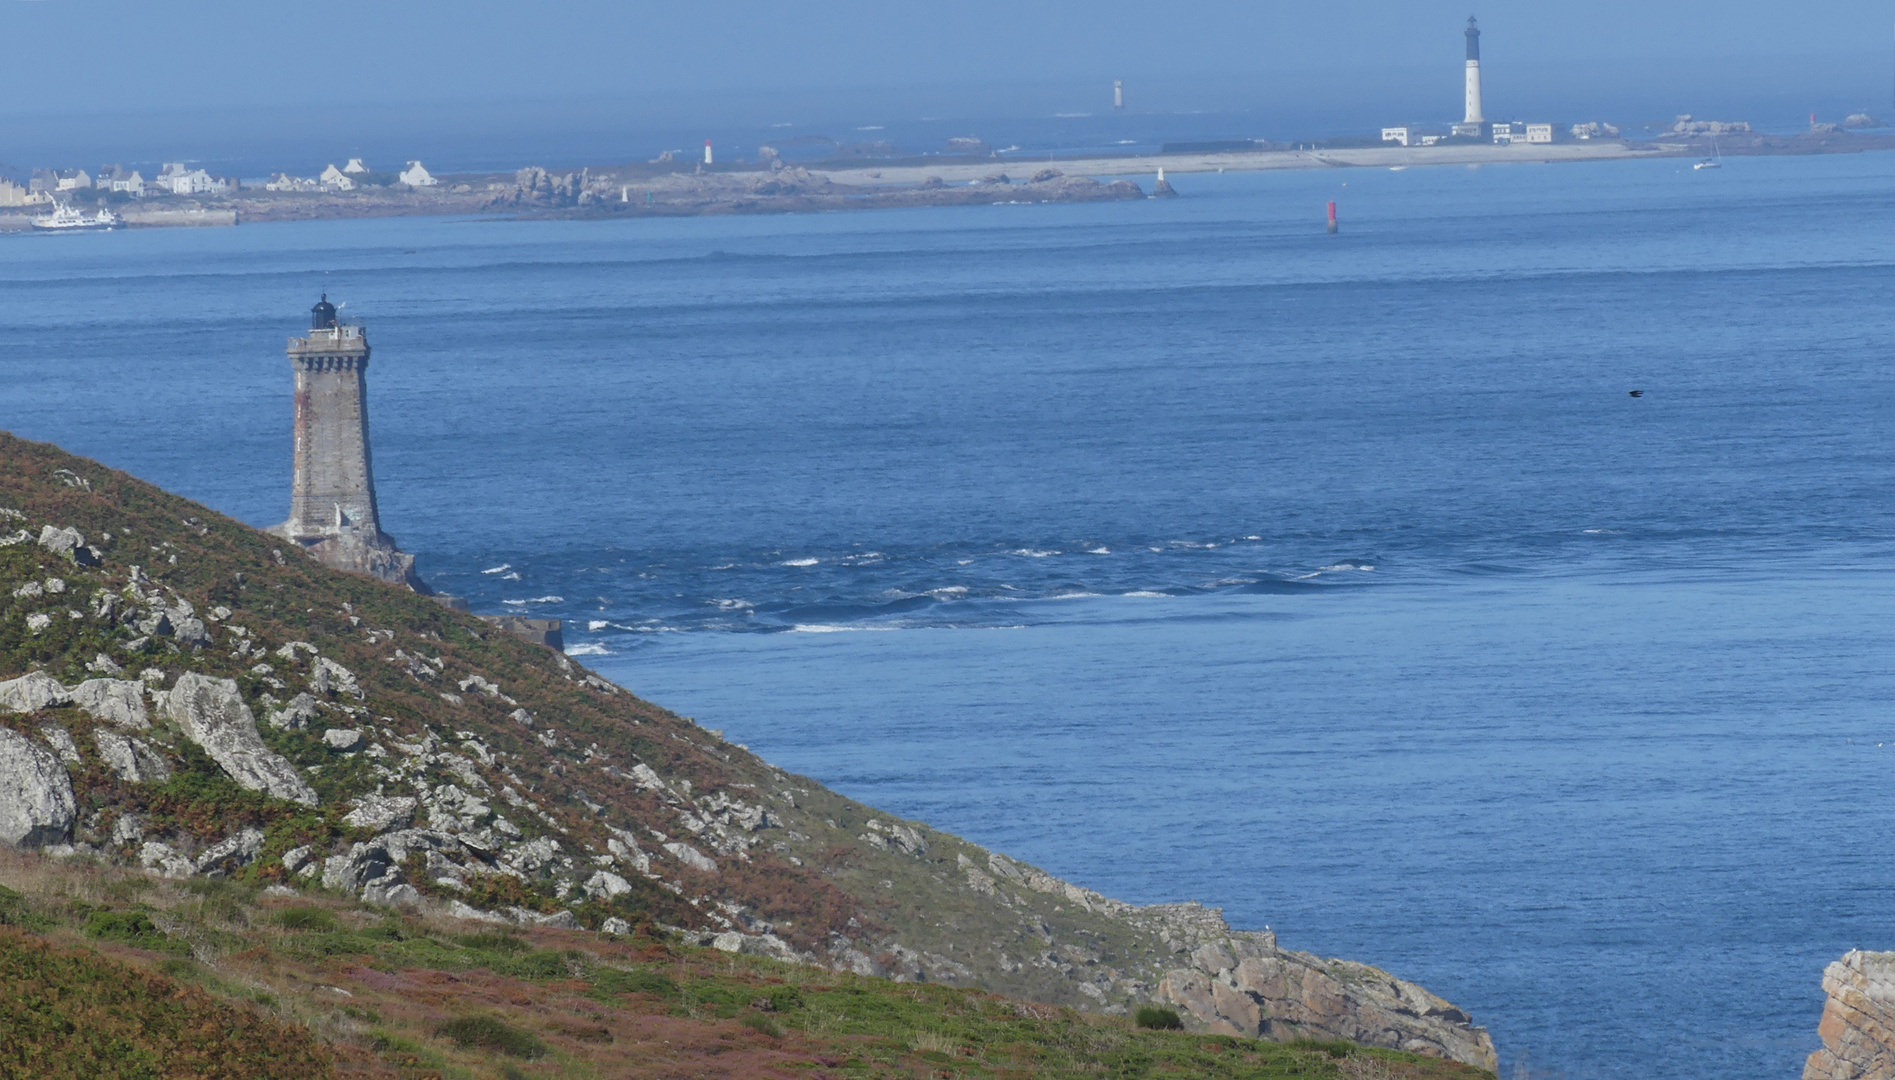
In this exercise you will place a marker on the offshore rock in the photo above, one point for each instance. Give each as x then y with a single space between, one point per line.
36 803
1858 1025
212 714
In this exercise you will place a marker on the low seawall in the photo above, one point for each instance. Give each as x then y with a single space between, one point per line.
175 218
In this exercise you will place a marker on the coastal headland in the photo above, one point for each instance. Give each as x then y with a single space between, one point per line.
685 189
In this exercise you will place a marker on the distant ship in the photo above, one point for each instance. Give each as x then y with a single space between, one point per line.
1715 162
65 219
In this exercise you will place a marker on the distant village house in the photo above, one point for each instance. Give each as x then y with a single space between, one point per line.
50 180
355 167
335 179
12 194
286 182
179 179
116 178
416 176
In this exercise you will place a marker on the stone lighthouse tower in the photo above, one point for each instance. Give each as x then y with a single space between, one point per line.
1475 124
332 485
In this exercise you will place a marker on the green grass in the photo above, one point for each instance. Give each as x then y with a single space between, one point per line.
321 920
1156 1018
488 1033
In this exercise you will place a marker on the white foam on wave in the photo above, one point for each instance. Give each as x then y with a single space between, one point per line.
597 625
513 576
733 605
1072 595
1341 567
830 628
501 569
590 648
1601 532
799 562
1035 553
951 590
536 600
1099 551
1148 594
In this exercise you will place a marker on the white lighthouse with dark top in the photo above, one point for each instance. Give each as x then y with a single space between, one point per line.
1475 123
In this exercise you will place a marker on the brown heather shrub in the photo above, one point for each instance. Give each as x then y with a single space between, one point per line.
75 1015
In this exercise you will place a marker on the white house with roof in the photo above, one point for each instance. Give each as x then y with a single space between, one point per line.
335 179
118 178
181 180
355 167
416 176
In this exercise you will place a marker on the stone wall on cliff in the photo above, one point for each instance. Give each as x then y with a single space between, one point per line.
1858 1025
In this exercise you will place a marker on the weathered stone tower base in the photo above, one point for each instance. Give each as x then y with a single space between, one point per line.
360 552
333 515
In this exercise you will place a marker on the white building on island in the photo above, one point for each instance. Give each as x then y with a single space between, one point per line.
180 179
416 176
355 167
334 178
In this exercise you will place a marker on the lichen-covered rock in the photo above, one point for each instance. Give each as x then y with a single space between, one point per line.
36 803
230 854
115 701
297 714
132 760
1858 1025
691 857
164 860
32 692
380 813
1242 984
212 714
69 543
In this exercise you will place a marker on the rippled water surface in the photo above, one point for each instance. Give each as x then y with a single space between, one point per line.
1174 546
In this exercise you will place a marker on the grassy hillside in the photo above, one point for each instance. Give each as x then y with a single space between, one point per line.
212 978
429 764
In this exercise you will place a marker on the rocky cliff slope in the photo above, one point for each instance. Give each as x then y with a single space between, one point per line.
180 693
1858 1026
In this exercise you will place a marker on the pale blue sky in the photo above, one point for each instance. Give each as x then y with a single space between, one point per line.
189 68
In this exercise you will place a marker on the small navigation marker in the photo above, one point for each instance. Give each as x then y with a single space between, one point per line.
1163 189
1333 228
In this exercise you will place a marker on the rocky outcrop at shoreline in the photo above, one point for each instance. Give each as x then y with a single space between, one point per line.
1240 983
1858 1025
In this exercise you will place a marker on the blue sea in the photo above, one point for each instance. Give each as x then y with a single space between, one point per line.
1174 546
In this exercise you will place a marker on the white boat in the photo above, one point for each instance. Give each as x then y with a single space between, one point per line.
64 218
1714 162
